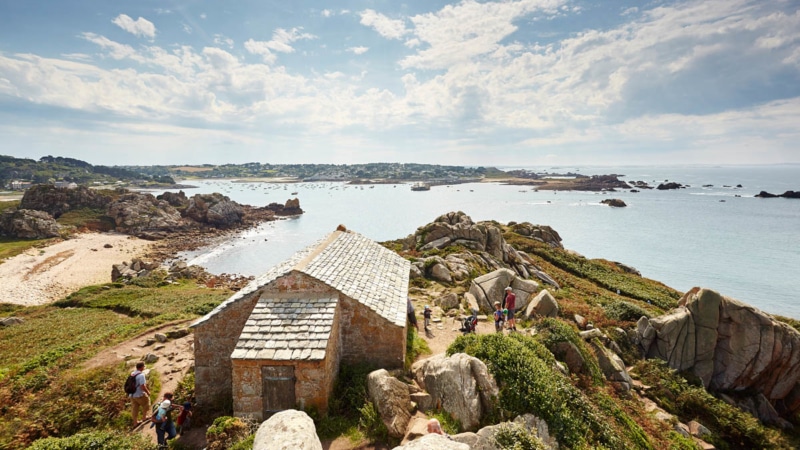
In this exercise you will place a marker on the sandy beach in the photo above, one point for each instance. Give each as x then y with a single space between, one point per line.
44 275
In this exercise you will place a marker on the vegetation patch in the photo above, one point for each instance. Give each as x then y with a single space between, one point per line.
105 440
529 384
731 427
601 272
552 331
415 346
10 247
513 436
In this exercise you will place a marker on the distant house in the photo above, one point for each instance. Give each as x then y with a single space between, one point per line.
18 185
277 344
65 184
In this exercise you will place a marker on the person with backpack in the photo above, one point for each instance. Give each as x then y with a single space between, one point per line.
139 393
162 421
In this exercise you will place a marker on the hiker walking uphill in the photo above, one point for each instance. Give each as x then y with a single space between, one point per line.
139 393
162 421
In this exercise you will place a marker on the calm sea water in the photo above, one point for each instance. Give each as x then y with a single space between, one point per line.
744 247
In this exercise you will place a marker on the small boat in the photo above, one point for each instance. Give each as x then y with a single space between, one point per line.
420 187
294 193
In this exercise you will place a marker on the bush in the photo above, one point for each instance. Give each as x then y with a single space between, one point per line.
513 436
626 311
529 384
553 331
415 346
96 440
225 432
731 427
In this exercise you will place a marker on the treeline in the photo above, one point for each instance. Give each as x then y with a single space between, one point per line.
49 169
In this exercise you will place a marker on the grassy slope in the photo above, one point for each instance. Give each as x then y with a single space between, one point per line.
43 392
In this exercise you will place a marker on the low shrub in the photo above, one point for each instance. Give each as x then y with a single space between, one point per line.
529 384
513 436
552 331
225 432
626 311
96 440
415 346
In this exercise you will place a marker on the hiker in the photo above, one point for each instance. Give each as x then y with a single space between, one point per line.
435 427
162 421
185 417
426 313
412 319
499 318
141 398
510 303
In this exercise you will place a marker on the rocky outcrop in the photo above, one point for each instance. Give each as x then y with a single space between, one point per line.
614 202
391 398
729 345
431 442
175 199
543 305
57 201
28 224
669 186
290 208
459 384
9 321
489 288
543 233
287 430
144 216
214 209
787 194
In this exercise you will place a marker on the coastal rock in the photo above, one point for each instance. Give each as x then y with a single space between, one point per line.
729 345
543 233
668 186
391 398
8 321
177 200
543 305
614 202
460 384
447 302
214 209
28 224
290 208
287 430
489 288
612 366
787 194
56 201
142 214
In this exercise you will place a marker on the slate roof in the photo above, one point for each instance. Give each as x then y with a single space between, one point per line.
298 328
287 329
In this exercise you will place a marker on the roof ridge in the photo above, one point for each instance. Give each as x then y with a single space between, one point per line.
303 263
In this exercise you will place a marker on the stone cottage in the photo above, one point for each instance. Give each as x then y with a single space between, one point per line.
277 344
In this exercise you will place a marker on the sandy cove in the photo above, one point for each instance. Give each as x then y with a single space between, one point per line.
44 275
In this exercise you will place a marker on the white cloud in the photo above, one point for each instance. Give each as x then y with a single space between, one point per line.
77 56
358 50
280 42
221 39
203 16
140 27
326 13
186 28
386 27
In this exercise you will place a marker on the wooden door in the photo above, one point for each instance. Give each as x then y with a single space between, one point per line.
277 389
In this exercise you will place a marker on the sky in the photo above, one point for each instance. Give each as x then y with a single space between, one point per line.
512 82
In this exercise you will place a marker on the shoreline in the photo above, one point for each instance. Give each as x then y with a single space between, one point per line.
40 276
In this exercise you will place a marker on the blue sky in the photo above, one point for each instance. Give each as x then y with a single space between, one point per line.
517 82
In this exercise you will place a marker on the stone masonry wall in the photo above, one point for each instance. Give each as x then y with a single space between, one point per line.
214 341
313 387
368 337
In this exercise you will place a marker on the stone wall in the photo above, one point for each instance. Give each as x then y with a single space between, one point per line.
214 341
360 330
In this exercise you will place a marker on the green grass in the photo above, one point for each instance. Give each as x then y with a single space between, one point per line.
10 247
603 273
87 217
415 346
42 387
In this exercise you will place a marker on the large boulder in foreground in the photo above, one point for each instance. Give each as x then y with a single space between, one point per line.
729 345
459 384
28 224
391 398
433 442
287 430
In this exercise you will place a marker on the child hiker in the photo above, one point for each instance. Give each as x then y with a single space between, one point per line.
185 417
499 318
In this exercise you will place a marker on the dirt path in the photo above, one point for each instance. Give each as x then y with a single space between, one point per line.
175 359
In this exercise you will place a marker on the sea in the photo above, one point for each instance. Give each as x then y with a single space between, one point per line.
711 234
